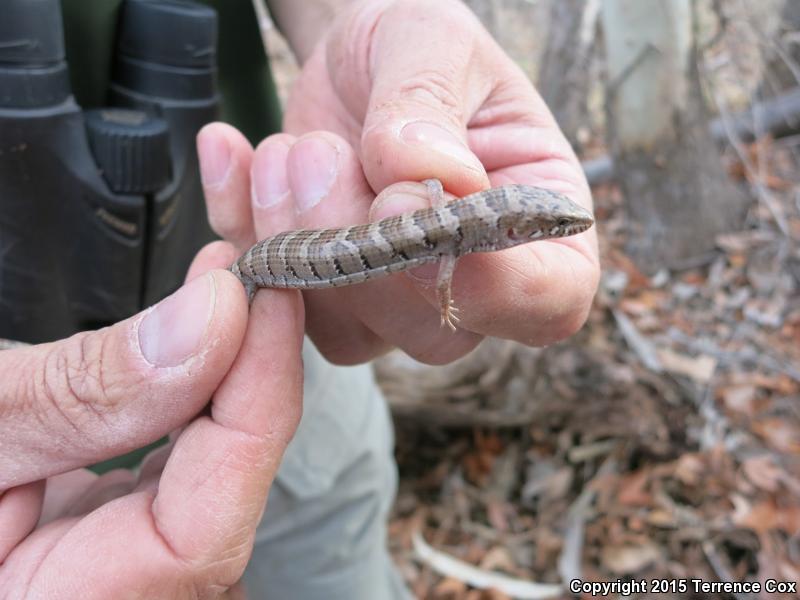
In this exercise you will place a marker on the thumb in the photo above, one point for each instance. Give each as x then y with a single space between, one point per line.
102 393
428 80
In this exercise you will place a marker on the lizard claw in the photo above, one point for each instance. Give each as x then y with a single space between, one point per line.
450 317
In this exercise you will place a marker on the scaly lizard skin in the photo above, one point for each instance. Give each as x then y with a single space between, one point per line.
491 220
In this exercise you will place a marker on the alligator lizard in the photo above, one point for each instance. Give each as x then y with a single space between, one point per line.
486 221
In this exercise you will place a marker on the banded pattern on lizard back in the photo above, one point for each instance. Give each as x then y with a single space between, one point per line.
491 220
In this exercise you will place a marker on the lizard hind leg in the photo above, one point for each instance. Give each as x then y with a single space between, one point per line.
447 265
444 280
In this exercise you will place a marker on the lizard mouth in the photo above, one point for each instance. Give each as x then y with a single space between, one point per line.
518 236
576 228
556 231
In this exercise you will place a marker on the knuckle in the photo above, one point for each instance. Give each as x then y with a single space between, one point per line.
434 89
226 225
18 398
73 379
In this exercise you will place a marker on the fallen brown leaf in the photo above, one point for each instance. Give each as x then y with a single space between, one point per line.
449 588
766 516
763 472
629 559
700 368
740 398
779 433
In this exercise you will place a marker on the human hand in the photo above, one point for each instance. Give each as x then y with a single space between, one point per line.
184 525
403 91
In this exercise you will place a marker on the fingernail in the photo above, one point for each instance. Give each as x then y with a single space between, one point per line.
173 330
268 174
396 204
312 168
435 138
214 154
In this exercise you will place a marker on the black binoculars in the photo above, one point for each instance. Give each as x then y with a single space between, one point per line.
101 211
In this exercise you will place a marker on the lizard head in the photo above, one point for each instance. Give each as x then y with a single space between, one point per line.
540 214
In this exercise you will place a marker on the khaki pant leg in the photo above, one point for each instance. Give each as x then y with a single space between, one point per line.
323 534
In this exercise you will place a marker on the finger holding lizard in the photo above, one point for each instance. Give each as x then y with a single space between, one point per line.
419 89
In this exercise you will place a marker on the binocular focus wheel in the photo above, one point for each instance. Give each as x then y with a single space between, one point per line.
131 148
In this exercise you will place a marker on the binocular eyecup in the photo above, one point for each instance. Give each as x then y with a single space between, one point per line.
102 209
